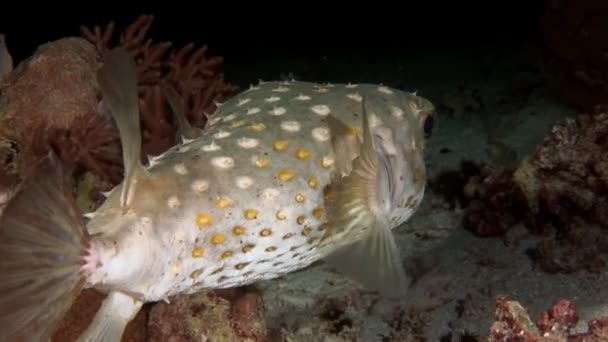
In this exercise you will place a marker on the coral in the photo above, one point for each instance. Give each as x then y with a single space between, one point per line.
560 192
194 76
512 323
51 101
226 315
570 50
495 205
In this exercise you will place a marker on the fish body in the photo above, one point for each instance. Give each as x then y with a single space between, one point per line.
284 174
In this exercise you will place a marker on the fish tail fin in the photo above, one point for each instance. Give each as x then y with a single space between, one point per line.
43 246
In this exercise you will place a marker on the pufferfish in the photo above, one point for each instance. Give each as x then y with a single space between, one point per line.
284 174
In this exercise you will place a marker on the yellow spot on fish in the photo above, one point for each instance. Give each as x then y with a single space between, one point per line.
238 230
218 239
313 182
352 131
257 127
261 163
197 273
287 236
266 232
323 227
301 219
327 162
227 254
300 198
318 212
280 145
286 175
306 231
198 252
223 203
302 153
248 248
251 214
241 265
271 249
281 215
313 240
204 220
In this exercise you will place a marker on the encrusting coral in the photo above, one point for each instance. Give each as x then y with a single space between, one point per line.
512 323
560 193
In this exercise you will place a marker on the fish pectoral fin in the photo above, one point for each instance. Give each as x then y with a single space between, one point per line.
345 144
373 261
118 82
184 129
109 324
356 212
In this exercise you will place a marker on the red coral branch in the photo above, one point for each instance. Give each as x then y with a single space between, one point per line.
194 76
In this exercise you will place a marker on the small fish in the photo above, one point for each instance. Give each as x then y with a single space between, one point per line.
284 174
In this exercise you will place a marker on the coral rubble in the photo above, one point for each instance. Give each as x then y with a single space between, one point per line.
560 193
512 323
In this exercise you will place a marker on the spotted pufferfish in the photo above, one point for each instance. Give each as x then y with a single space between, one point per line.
284 174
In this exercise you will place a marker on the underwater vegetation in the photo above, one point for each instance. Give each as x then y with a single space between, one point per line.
55 94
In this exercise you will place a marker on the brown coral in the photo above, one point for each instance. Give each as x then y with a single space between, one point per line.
563 187
51 101
512 323
194 76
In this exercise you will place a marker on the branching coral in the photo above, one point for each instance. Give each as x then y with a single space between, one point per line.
512 323
194 76
90 143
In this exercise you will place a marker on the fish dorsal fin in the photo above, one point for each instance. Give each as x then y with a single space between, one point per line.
374 259
184 129
345 143
118 81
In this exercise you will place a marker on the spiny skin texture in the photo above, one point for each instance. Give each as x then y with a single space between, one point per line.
247 200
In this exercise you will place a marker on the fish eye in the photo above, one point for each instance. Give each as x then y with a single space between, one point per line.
428 124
